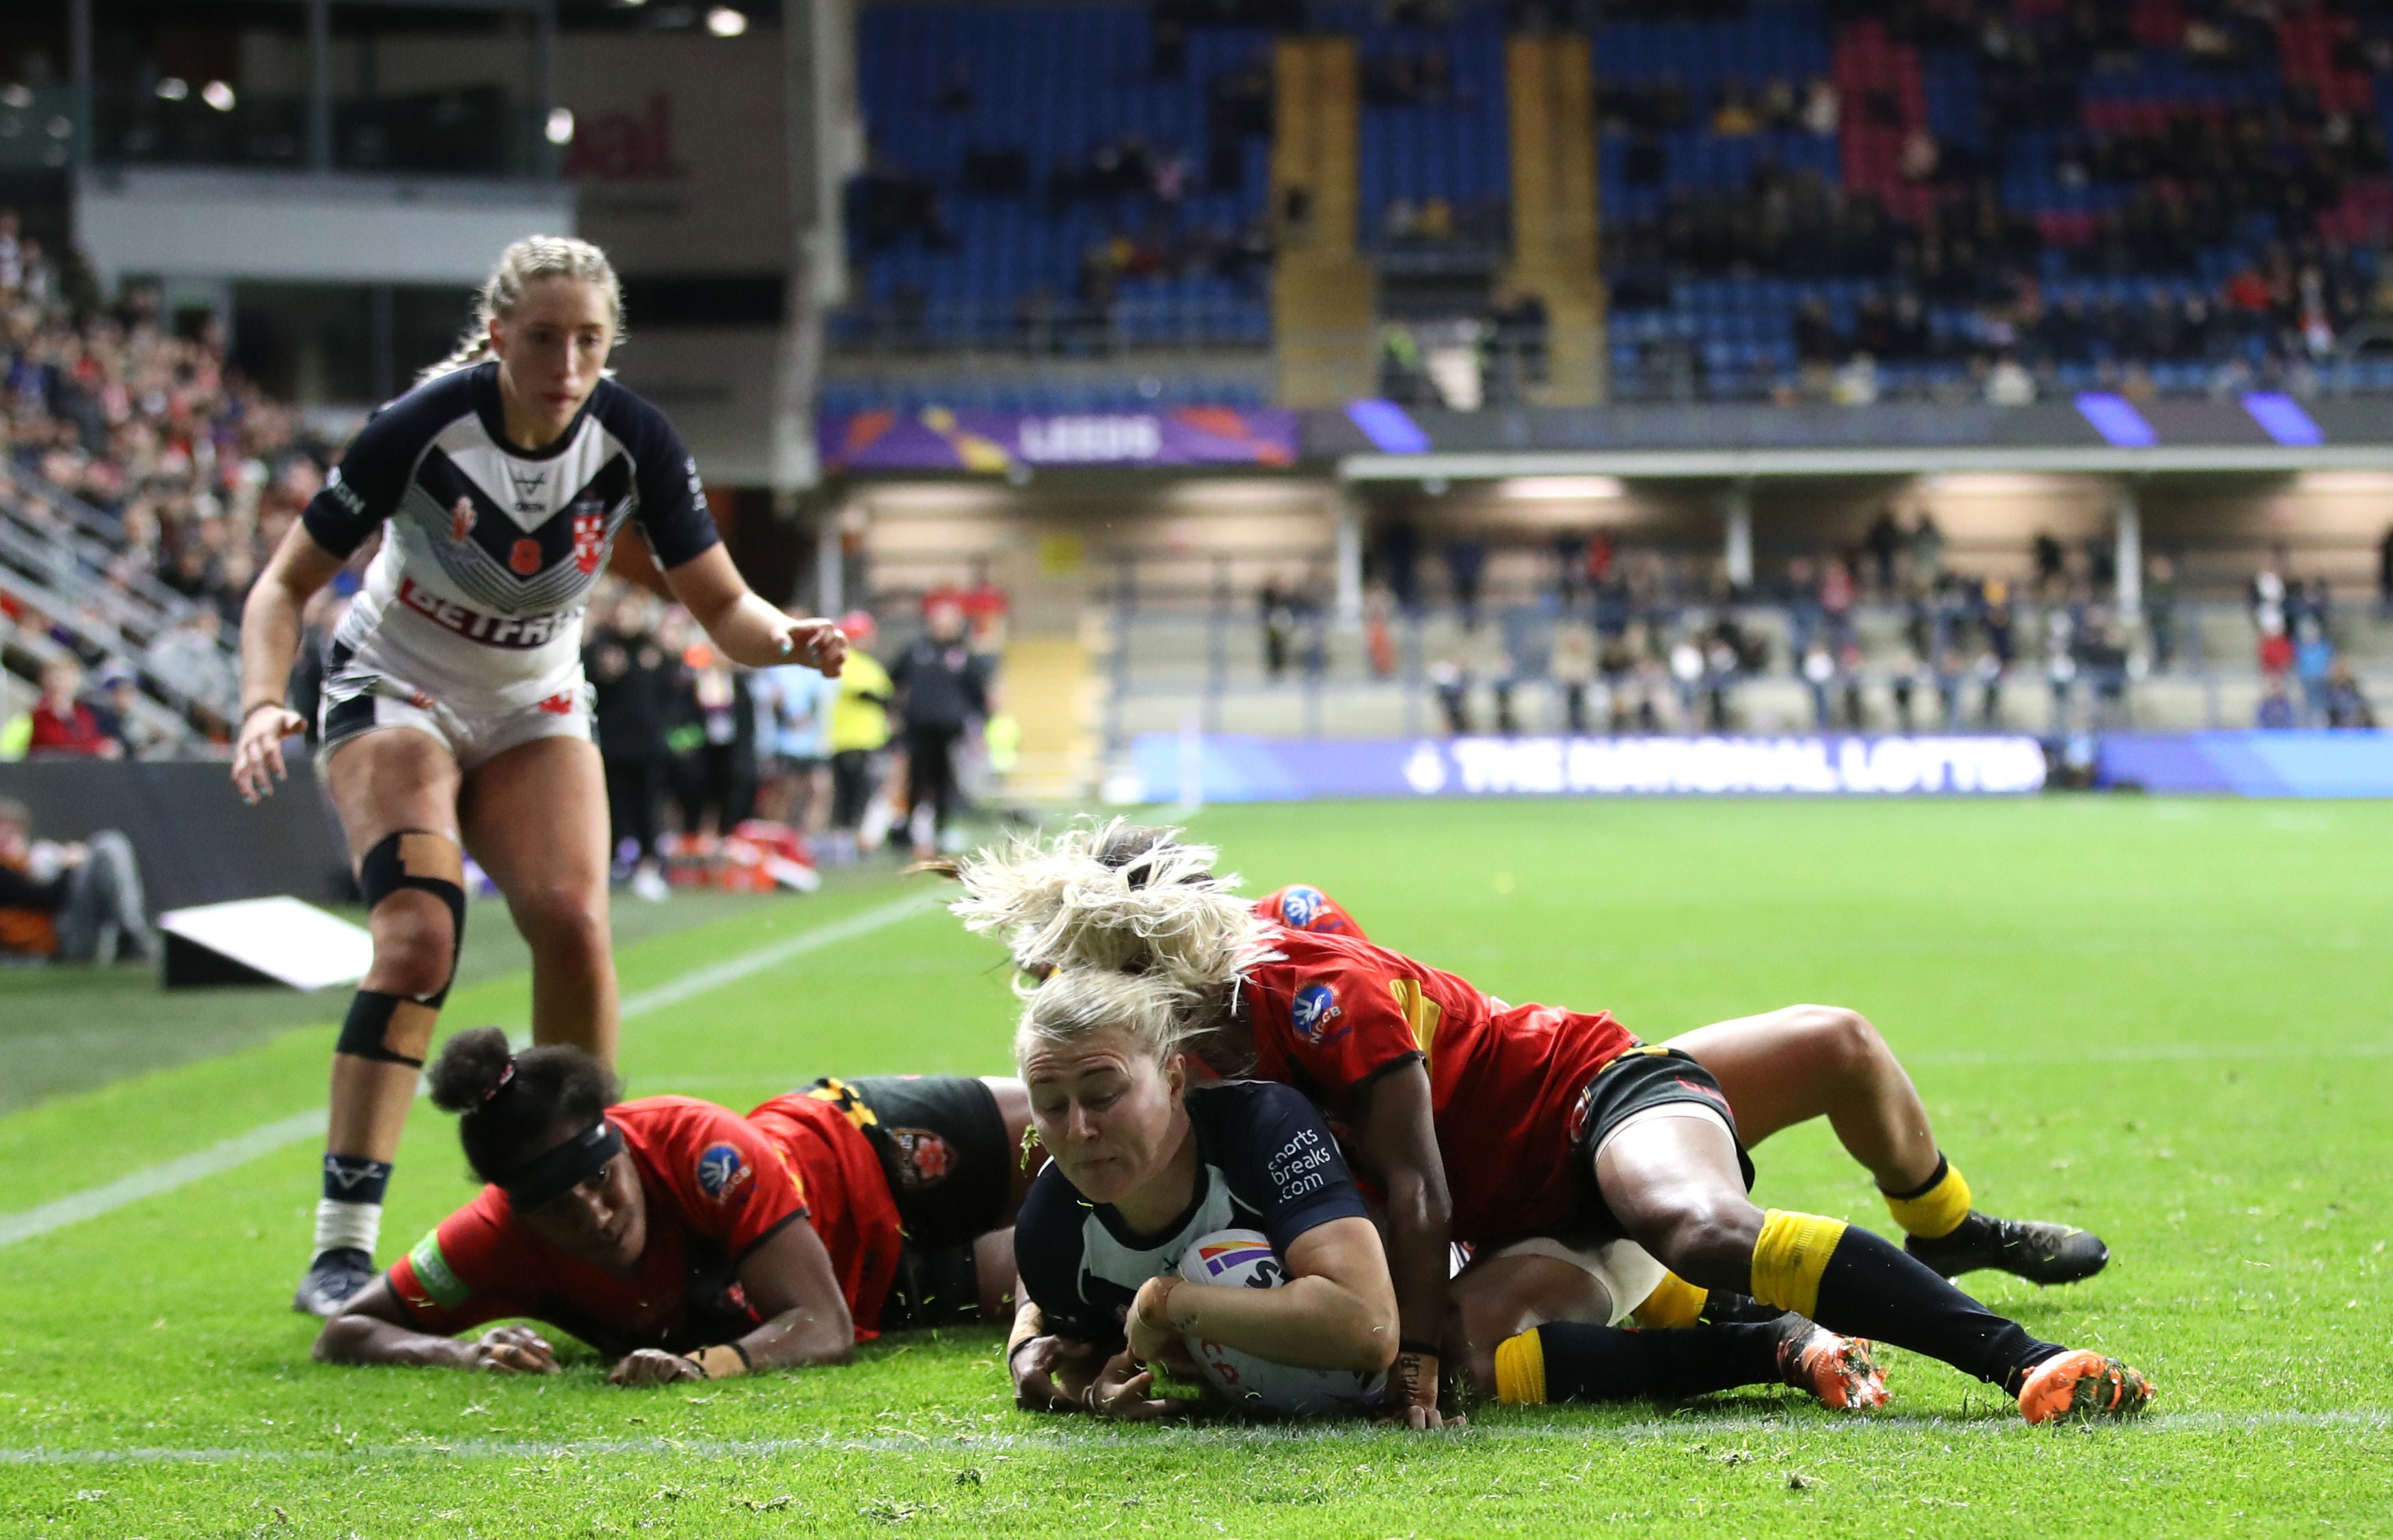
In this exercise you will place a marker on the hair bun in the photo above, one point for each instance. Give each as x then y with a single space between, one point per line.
472 1067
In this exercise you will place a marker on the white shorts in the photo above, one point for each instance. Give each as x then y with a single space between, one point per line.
1627 1271
356 702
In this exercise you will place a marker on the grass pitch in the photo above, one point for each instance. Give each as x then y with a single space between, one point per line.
2163 1020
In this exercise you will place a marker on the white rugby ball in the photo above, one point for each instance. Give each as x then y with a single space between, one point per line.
1245 1258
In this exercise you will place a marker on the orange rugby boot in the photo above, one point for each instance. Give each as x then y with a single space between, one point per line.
1837 1370
2083 1384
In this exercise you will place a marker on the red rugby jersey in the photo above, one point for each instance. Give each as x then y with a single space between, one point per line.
853 1209
1330 1011
716 1188
1306 908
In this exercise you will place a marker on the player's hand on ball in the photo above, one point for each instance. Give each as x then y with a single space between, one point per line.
1124 1389
654 1367
514 1351
1154 1328
257 753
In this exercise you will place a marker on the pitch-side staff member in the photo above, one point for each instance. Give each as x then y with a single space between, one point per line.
454 711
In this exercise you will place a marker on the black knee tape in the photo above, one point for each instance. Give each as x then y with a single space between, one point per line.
387 1028
429 863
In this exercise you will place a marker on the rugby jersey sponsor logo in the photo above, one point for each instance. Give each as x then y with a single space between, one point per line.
516 631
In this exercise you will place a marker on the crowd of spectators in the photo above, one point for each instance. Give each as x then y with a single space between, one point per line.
1887 632
2247 221
192 474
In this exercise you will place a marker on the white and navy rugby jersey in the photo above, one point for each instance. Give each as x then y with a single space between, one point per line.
477 592
1265 1162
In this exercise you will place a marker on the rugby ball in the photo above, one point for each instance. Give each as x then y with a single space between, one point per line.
1244 1258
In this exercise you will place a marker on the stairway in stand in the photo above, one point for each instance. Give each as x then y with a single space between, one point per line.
1322 296
1050 691
1551 90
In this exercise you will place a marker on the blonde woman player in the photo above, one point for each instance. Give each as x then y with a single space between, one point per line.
454 714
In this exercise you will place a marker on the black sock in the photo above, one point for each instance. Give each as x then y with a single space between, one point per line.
355 1178
1871 1288
1572 1360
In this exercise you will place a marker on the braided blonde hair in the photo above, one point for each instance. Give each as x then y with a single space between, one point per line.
521 265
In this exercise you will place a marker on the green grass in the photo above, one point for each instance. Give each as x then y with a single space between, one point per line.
2163 1020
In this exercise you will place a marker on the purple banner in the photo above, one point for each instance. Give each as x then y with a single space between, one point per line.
995 442
1229 768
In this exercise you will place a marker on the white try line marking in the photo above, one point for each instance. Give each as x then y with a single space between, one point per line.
1694 1426
165 1177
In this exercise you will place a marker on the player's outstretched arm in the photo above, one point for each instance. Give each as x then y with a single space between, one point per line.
269 639
790 1281
372 1328
1338 1309
750 630
1397 1142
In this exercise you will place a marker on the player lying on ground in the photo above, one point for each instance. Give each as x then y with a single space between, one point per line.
1144 1166
1789 1066
1487 1123
687 1242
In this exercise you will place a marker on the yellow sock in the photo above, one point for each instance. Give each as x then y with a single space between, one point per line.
1790 1257
1937 1208
1674 1302
1520 1370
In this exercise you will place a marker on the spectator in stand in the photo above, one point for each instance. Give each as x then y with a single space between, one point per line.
1278 609
633 679
2314 660
64 725
191 656
2160 611
1449 679
859 730
117 711
942 687
2346 705
78 901
2276 712
2276 655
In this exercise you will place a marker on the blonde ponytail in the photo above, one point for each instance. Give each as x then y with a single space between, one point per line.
1117 897
521 265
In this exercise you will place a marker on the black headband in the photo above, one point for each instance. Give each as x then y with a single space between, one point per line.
556 1172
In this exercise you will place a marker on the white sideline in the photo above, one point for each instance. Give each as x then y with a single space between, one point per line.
240 1149
1248 1437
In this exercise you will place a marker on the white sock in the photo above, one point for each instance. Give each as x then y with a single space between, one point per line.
347 1224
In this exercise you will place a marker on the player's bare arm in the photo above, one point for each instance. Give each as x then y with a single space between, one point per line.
790 1282
1396 1141
269 639
1336 1311
374 1329
748 630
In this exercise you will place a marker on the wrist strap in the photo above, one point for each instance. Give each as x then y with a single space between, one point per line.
721 1362
255 707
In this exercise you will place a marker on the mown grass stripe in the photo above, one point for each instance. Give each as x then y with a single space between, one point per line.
166 1176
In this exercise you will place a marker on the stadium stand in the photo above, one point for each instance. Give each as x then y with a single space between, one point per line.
1851 202
1062 179
140 487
